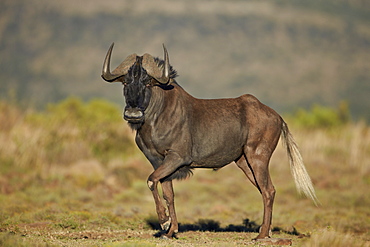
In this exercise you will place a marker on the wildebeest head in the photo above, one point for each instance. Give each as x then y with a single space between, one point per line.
138 75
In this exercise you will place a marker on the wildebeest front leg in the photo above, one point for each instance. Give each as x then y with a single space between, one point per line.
171 225
161 211
156 161
170 164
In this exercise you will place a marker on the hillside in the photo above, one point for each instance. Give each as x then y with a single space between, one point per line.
290 55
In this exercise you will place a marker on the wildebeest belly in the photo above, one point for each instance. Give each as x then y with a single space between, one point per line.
217 156
218 132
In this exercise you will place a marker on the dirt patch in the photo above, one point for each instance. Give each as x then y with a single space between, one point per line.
118 235
274 241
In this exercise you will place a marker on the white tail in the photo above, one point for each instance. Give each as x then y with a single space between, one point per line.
301 178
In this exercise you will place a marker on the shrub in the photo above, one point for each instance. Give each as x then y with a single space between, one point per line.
321 116
65 133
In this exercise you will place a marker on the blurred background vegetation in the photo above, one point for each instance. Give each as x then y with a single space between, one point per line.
290 54
70 172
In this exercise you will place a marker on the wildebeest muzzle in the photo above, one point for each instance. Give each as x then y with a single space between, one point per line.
133 115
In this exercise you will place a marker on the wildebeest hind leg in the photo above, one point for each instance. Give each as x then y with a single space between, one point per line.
243 165
258 164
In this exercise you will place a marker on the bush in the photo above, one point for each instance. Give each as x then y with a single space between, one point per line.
321 116
65 133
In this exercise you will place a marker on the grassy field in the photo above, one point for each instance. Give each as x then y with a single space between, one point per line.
72 176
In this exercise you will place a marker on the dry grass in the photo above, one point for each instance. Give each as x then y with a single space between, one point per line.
70 177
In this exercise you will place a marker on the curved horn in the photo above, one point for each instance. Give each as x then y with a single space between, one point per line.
121 70
106 74
165 78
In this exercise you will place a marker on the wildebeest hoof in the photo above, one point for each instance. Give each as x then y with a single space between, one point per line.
164 237
259 238
270 233
166 225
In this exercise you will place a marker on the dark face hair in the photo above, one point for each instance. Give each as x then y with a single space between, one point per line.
137 93
139 74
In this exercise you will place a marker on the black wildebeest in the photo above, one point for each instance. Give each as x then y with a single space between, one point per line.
177 132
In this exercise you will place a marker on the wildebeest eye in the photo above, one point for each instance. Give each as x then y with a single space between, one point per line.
150 83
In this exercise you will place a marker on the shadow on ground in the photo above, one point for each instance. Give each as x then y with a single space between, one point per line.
214 226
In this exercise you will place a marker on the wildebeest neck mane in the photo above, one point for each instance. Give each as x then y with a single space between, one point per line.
173 73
